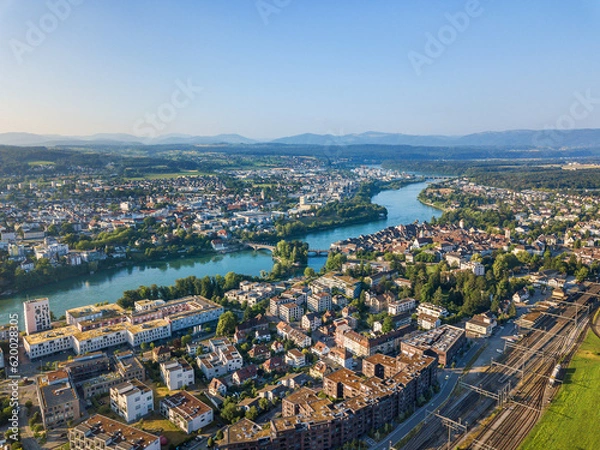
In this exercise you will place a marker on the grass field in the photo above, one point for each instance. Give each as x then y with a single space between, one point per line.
157 424
571 422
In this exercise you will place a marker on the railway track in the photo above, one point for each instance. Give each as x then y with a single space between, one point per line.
508 429
469 406
510 426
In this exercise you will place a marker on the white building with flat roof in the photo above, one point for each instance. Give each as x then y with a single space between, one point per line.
176 374
224 358
37 315
147 332
99 339
186 411
49 342
131 400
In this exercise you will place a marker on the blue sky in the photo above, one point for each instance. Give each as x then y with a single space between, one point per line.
303 66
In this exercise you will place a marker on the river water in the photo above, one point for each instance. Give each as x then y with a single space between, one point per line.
402 206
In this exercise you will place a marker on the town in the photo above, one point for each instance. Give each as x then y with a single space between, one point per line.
66 227
333 359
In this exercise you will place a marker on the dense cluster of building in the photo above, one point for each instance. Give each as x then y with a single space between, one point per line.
452 243
201 205
388 388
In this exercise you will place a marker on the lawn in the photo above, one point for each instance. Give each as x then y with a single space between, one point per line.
157 424
571 422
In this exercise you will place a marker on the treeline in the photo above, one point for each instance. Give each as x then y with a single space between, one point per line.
13 277
212 288
522 178
474 218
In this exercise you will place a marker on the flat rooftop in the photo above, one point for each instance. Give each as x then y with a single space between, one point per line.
57 394
98 332
51 335
131 387
439 339
345 376
243 431
152 324
115 434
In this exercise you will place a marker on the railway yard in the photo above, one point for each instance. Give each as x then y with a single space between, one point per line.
495 409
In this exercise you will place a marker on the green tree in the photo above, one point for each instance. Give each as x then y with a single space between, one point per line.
185 340
263 404
582 274
230 412
309 272
226 324
388 324
438 296
252 413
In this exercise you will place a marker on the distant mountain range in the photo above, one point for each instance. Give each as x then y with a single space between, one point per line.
30 139
580 138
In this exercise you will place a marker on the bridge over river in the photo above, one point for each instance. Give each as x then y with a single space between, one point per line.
271 248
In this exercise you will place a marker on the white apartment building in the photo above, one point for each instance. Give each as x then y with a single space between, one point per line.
201 311
153 330
99 339
146 305
285 308
432 310
49 342
176 374
428 322
319 302
223 358
92 312
400 306
477 268
131 400
186 411
37 315
290 312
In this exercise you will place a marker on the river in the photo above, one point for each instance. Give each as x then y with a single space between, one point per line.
402 206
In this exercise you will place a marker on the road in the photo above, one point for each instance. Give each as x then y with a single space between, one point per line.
447 386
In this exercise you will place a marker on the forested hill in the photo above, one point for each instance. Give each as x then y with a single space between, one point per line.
552 178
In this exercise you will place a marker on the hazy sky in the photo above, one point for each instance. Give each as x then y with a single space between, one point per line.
270 68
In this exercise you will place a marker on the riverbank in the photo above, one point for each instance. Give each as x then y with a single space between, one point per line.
432 205
360 209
